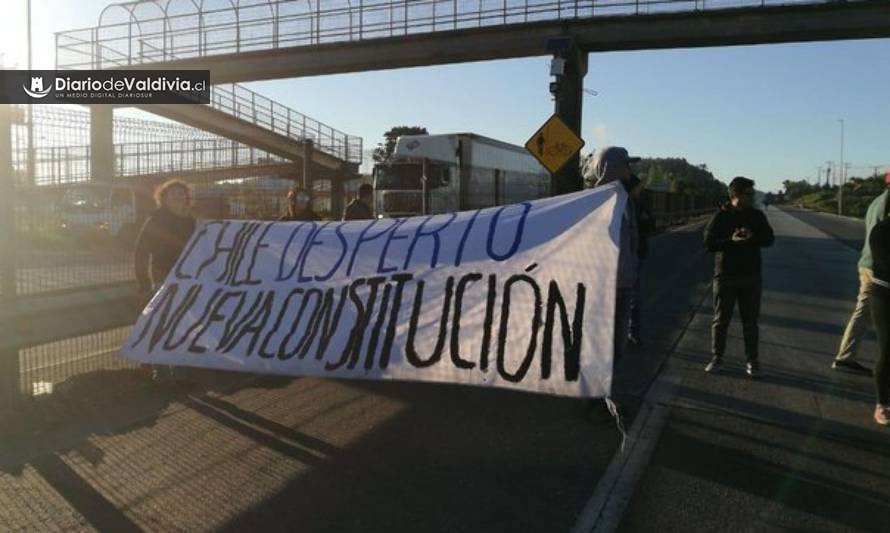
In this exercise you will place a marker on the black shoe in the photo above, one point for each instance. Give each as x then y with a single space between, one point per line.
752 368
851 366
714 365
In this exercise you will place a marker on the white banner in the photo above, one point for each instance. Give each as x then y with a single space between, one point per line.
519 296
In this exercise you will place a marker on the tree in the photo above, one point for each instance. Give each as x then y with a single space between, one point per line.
385 149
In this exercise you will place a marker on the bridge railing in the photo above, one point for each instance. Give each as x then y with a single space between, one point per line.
69 164
248 105
221 27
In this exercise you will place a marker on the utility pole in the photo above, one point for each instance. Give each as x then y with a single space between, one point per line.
568 66
840 193
819 176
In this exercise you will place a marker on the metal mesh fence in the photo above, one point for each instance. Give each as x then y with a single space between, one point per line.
45 366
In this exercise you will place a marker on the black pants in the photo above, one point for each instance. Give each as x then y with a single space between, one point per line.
880 314
727 291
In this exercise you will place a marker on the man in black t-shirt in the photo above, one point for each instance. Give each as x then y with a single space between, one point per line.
735 234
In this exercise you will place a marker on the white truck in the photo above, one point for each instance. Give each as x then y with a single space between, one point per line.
429 174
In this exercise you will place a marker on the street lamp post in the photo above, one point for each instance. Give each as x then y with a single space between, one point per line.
843 175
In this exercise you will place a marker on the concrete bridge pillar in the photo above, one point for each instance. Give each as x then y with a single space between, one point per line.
101 143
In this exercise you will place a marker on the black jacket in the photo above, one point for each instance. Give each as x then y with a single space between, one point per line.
645 225
737 258
357 210
159 244
879 240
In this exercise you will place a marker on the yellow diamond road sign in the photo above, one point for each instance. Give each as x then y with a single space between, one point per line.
554 144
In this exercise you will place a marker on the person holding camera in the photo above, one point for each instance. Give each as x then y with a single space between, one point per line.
736 234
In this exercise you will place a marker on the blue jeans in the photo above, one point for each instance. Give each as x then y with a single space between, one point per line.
623 297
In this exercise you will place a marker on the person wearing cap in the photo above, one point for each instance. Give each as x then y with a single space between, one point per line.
857 326
879 246
608 165
299 206
736 234
360 207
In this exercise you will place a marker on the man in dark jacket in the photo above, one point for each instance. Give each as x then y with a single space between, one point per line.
360 207
736 234
645 228
164 235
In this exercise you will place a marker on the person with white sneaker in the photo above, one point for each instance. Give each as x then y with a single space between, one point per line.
879 301
735 235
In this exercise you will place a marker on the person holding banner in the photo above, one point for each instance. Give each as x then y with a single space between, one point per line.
607 165
299 206
164 235
360 207
645 226
879 243
159 244
736 234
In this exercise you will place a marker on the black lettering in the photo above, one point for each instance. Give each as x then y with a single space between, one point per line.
162 308
487 323
278 320
170 345
194 347
329 325
399 280
455 327
504 330
359 317
378 325
410 352
255 324
571 335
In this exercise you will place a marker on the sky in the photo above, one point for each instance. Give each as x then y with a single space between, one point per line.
768 112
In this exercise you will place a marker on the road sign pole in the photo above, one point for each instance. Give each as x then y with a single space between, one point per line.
569 97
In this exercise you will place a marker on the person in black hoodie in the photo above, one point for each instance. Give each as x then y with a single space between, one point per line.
736 233
164 235
645 228
360 207
879 300
299 206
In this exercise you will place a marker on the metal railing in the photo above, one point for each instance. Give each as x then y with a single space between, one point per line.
245 104
70 164
154 35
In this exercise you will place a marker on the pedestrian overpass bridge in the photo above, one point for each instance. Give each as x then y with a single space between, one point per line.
244 40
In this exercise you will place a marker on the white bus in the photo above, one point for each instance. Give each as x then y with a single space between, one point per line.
431 174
